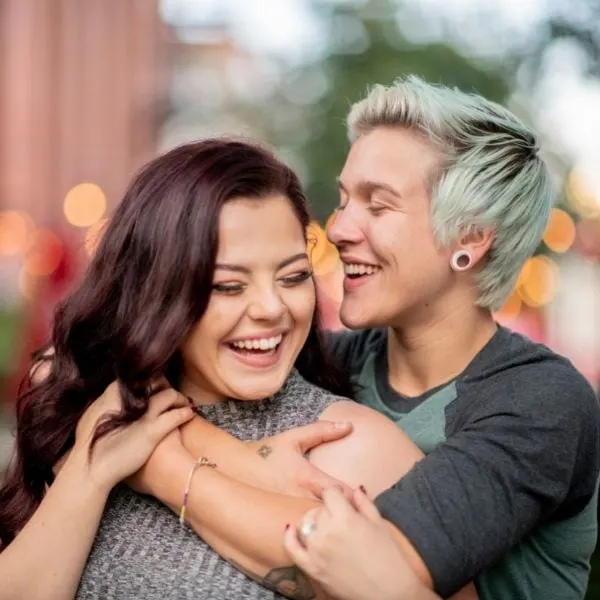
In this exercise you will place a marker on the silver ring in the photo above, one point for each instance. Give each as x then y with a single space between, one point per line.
306 530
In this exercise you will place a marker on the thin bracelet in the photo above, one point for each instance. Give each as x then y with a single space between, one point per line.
201 462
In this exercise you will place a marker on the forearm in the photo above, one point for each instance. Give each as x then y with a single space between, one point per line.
244 524
46 559
201 438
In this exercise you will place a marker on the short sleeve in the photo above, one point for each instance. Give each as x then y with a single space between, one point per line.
529 451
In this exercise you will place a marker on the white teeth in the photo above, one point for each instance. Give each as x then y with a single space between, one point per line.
359 269
259 344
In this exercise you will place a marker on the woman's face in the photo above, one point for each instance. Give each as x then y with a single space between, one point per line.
261 307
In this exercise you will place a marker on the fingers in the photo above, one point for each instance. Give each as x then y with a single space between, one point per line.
165 400
317 481
168 421
336 503
365 507
296 550
319 432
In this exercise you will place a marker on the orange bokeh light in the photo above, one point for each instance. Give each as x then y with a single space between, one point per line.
43 254
322 253
538 283
560 233
15 228
84 205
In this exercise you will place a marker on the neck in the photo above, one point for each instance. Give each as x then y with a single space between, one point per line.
426 355
198 393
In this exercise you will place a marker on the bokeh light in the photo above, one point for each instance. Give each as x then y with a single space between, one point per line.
588 238
44 253
28 284
15 228
560 233
322 253
511 308
538 282
85 204
583 194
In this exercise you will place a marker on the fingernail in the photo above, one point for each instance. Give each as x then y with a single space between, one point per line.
341 424
362 489
287 526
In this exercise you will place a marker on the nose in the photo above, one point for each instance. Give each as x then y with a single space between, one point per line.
266 305
344 228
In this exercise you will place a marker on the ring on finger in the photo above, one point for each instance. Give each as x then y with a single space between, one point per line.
306 530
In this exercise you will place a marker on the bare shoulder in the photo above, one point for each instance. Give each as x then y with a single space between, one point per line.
376 454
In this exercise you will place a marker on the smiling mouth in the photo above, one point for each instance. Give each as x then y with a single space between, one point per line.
358 270
257 346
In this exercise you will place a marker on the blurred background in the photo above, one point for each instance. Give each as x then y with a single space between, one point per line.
91 89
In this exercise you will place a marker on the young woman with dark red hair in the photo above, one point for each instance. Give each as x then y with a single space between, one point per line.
202 280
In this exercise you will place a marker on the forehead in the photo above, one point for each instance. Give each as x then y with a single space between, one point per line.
254 229
393 155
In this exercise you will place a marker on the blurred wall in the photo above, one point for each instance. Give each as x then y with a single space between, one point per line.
82 86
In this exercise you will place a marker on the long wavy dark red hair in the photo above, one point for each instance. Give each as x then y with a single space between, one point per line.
149 282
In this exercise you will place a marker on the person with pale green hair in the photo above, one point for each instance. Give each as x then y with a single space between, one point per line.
443 197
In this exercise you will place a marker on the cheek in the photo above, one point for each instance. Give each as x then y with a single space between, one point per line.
301 305
405 242
202 344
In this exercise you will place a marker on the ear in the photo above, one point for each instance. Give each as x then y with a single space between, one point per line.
477 243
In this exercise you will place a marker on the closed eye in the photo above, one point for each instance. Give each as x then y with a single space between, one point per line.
228 288
297 278
375 209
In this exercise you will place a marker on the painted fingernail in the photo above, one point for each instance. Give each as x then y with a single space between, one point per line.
287 526
362 489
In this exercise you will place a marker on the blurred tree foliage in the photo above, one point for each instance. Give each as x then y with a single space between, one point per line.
365 46
576 22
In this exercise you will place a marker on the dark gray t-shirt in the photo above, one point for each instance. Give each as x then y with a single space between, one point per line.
507 492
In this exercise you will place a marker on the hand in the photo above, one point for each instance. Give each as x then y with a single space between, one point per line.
352 553
285 467
124 451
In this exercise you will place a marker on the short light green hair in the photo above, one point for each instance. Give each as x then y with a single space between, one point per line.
491 175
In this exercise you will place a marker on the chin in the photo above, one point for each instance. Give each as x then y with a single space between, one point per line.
258 387
355 319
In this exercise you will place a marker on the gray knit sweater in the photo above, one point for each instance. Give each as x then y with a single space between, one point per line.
142 552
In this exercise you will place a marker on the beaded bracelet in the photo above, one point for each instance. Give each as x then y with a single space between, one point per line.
201 462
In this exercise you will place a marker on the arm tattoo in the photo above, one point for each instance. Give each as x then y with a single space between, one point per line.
264 451
290 581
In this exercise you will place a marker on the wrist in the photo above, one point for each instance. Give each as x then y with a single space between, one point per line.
77 472
169 478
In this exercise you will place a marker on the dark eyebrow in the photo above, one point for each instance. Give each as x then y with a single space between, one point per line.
368 186
246 270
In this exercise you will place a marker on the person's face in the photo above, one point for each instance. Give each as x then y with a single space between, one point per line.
261 307
382 229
